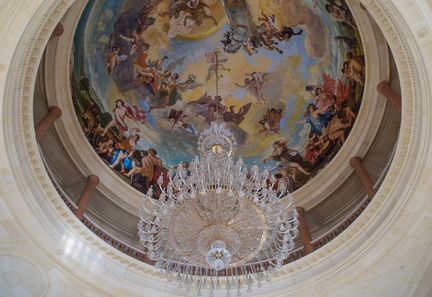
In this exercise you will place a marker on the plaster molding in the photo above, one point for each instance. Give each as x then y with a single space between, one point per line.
387 214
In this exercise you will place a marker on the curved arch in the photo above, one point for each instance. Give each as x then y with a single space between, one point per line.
399 201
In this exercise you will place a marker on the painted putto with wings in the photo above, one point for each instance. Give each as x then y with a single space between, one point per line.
271 121
171 67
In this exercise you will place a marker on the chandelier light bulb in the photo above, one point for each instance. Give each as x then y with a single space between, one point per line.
218 257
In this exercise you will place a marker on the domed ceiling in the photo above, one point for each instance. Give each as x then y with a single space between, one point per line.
287 77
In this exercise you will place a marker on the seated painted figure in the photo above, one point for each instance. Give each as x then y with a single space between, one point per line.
123 154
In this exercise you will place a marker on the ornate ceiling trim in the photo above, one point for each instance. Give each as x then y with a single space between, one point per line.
35 196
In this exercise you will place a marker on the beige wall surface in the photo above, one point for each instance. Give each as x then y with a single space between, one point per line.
45 251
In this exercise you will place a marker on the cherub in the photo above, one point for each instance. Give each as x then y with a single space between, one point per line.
189 10
170 89
264 38
113 59
255 83
287 33
189 84
179 119
271 122
268 23
272 31
268 30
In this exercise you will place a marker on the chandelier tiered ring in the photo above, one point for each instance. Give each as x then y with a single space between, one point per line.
218 223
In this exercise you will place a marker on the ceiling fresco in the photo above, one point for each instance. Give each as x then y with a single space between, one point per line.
286 76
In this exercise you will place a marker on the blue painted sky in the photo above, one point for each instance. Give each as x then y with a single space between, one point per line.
96 26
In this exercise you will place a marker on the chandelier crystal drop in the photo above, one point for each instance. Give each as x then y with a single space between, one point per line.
218 223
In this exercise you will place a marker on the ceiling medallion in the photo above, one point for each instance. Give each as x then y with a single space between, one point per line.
218 223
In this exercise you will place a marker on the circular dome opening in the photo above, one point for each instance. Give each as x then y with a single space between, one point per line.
150 76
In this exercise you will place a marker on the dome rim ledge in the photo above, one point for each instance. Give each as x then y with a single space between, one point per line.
24 78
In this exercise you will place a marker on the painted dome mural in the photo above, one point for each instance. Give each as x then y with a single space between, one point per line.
286 77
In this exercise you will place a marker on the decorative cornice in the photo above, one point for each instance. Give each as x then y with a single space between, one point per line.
369 230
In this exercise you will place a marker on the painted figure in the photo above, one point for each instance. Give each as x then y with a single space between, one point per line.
268 34
137 43
159 171
285 181
353 68
245 33
170 89
331 92
339 13
90 116
287 157
255 83
160 54
114 58
150 74
348 43
195 11
242 27
337 128
106 150
211 108
123 154
146 169
186 15
313 149
123 110
215 64
317 118
271 121
181 120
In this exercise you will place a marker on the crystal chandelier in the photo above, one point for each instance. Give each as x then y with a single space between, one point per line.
218 223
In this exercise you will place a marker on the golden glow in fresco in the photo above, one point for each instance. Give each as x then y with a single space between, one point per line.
287 77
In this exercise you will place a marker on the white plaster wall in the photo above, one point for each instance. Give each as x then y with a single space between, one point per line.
386 252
